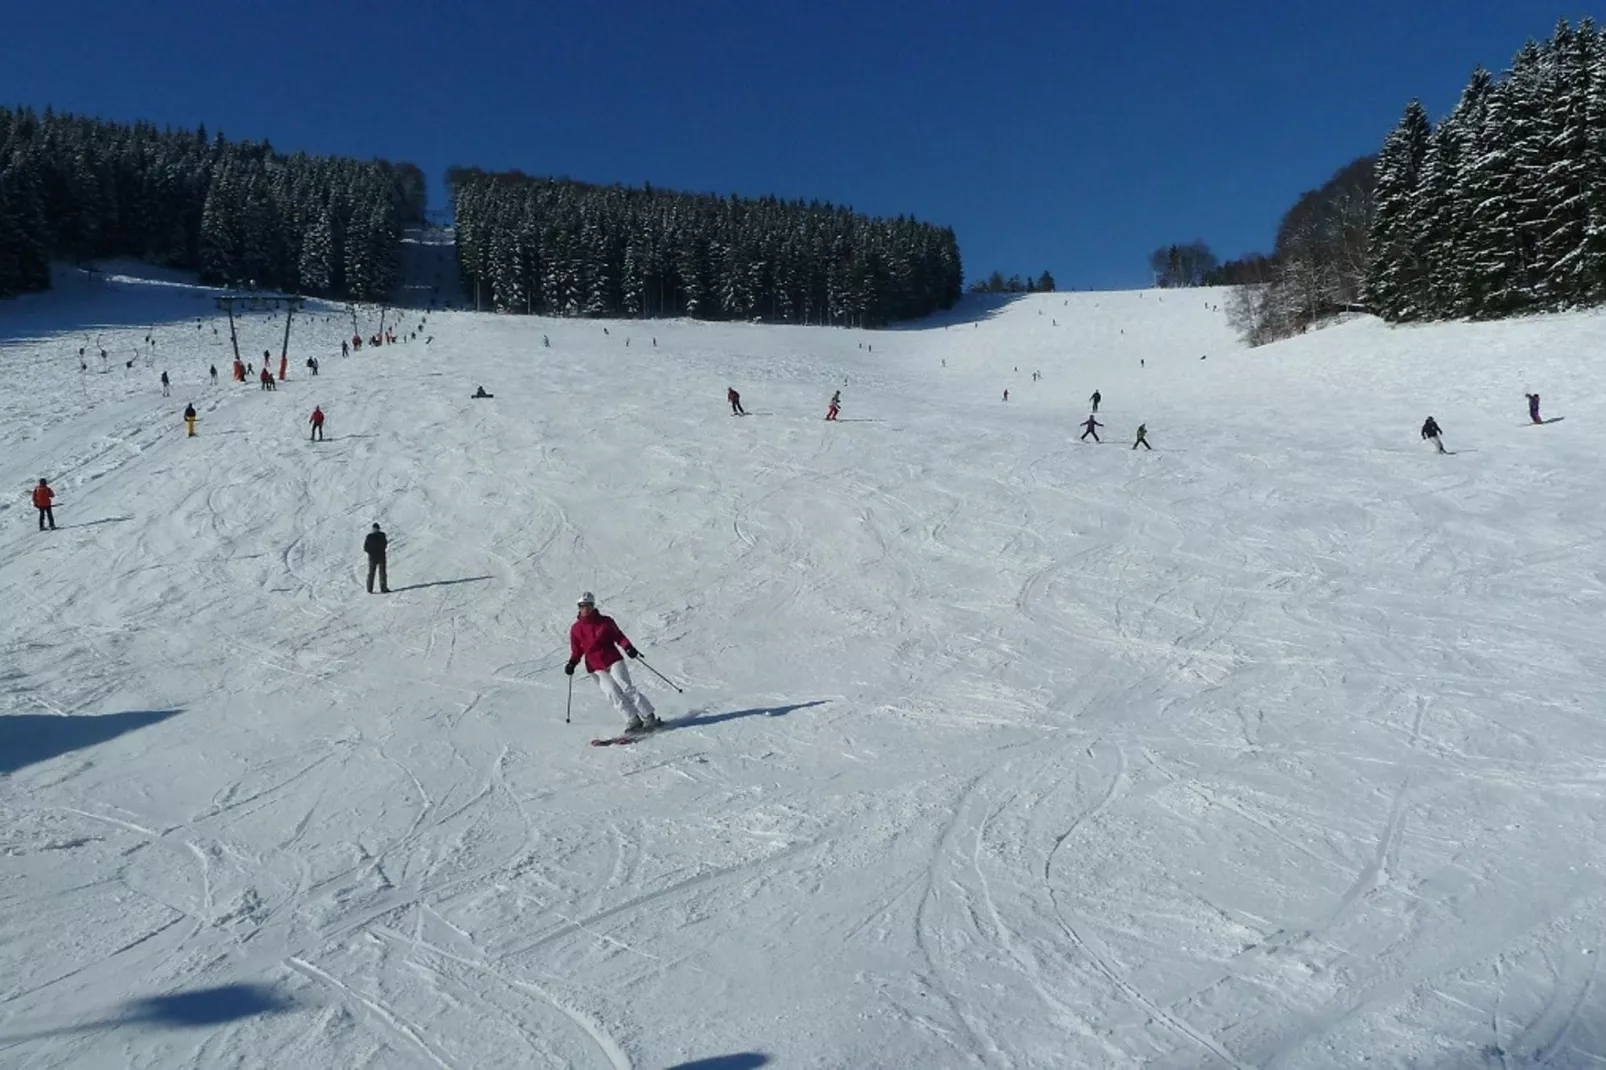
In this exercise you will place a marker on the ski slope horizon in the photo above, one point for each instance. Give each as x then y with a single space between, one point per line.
1280 745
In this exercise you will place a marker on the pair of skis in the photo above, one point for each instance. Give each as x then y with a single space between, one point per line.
628 737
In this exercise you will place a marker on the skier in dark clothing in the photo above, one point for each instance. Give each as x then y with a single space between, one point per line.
42 497
374 546
1088 427
1095 399
1430 430
1143 437
164 385
266 378
214 374
345 349
189 421
479 392
736 401
1533 408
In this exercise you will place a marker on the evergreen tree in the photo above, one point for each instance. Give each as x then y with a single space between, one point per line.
1395 273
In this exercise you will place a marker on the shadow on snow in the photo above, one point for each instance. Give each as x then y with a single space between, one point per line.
695 720
440 583
181 1010
27 738
746 1060
971 308
94 523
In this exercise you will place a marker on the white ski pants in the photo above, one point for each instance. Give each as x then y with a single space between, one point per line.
616 686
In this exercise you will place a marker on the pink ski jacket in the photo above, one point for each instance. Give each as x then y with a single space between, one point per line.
597 639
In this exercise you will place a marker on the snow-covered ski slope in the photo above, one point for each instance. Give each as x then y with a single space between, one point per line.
1282 745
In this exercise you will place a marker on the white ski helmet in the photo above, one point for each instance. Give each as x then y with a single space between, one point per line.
585 599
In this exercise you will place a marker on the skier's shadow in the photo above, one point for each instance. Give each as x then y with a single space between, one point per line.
697 720
440 583
95 523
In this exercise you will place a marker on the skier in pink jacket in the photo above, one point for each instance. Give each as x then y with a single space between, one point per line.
595 638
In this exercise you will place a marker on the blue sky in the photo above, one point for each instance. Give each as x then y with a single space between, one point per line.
1071 136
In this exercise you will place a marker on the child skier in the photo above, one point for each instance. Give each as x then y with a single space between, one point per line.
1088 426
597 639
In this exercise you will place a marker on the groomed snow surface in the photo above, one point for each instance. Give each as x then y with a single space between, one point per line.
1279 746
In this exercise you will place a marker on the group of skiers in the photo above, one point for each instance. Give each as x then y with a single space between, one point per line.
1432 432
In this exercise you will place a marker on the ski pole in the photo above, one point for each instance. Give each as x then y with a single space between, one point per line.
569 705
660 675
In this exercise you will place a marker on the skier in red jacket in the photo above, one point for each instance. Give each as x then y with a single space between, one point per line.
42 497
596 638
317 423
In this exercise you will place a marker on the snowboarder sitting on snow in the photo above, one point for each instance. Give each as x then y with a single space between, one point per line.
374 546
42 497
1088 426
1430 430
596 638
189 421
1143 437
317 423
479 392
736 401
1533 408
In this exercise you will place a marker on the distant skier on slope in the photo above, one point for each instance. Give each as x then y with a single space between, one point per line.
189 421
266 378
1533 408
375 546
479 392
1095 399
736 401
164 385
835 407
213 372
42 497
595 638
1143 437
1088 428
317 423
1430 431
1006 393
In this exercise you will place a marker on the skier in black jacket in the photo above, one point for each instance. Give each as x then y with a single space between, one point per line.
374 546
1430 431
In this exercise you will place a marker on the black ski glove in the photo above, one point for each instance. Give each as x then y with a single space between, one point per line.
568 668
632 652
